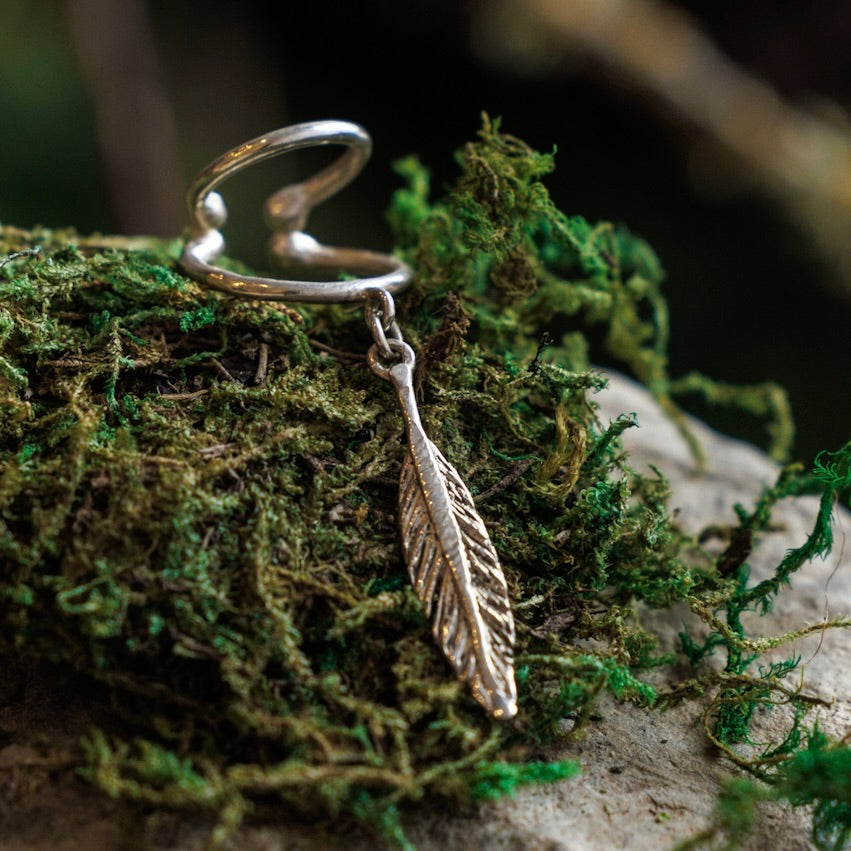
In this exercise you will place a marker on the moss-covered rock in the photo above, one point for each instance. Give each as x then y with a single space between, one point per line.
197 506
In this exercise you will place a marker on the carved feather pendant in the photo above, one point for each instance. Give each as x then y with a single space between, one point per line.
453 565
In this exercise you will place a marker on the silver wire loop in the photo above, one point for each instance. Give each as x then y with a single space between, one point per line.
399 352
286 212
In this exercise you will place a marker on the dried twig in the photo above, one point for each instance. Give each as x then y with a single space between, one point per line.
519 468
262 364
350 356
223 370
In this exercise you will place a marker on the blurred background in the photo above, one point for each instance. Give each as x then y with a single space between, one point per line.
719 132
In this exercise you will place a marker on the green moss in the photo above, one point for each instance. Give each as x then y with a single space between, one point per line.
817 776
198 509
494 780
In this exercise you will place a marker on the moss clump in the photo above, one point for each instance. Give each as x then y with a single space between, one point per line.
818 775
197 507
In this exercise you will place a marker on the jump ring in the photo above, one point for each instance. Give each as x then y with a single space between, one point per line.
286 212
399 351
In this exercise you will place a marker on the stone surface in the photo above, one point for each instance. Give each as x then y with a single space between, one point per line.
649 779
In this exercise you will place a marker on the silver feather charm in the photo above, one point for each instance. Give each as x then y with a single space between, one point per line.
453 565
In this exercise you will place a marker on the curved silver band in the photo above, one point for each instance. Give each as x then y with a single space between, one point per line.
286 213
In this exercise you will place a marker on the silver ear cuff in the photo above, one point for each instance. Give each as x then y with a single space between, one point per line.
453 566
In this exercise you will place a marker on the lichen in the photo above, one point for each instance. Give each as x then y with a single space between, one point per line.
197 508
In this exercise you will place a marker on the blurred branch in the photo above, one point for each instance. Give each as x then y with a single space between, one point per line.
796 157
135 123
